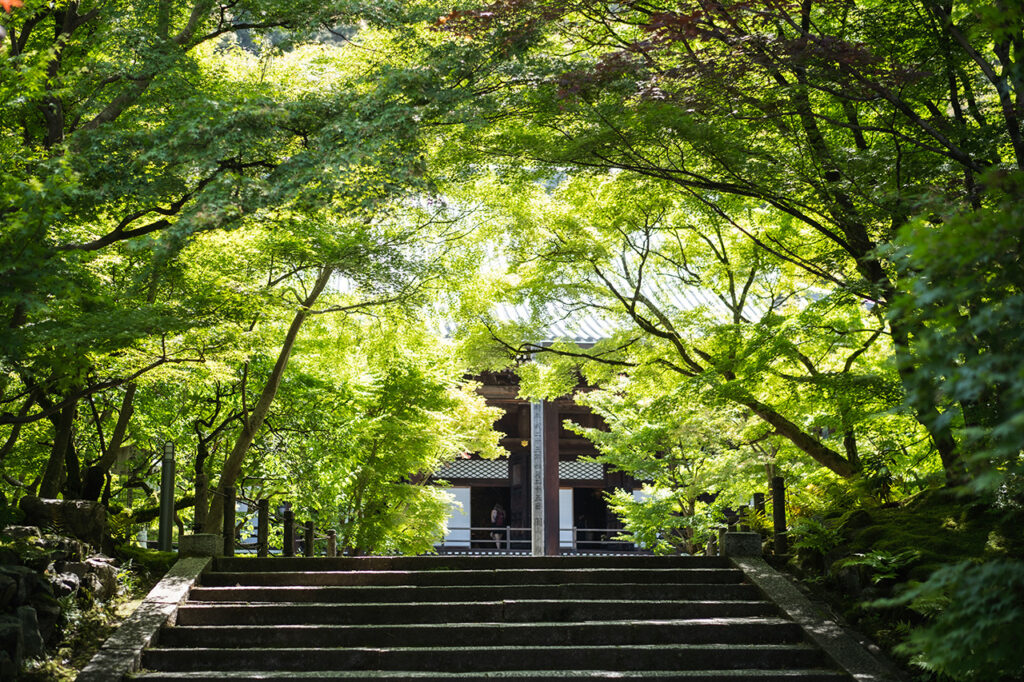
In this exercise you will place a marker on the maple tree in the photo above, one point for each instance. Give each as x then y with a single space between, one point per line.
185 186
816 130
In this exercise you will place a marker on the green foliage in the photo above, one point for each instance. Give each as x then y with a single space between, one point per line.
880 564
682 449
169 181
371 408
966 294
863 553
814 535
978 614
163 227
9 514
660 522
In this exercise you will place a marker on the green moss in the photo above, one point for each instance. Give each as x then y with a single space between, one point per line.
923 570
939 529
857 518
880 550
149 560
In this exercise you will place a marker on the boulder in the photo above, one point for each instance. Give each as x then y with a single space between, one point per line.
8 591
30 631
47 613
106 574
96 574
79 568
90 590
9 556
8 668
65 584
12 645
23 532
25 580
64 549
82 519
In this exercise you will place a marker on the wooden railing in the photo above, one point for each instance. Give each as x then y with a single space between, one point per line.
290 542
511 537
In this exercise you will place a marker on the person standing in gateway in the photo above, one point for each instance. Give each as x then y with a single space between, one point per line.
497 523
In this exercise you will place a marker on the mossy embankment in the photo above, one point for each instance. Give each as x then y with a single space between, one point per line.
911 575
78 597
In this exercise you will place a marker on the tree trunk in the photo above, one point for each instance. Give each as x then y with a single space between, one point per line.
92 486
251 425
202 484
72 470
818 451
53 477
928 414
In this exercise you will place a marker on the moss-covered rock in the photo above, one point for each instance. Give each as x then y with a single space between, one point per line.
871 553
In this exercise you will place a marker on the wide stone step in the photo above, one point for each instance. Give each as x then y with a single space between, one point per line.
808 675
491 658
510 576
459 593
449 563
290 613
697 631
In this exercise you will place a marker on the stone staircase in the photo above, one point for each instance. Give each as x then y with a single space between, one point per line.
481 618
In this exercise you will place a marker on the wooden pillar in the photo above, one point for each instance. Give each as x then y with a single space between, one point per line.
308 539
166 497
332 543
202 504
288 548
551 427
262 527
779 515
229 520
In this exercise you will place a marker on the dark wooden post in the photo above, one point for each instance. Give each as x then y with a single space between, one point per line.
166 497
332 543
202 505
288 543
229 520
262 527
551 530
308 550
730 519
759 503
779 515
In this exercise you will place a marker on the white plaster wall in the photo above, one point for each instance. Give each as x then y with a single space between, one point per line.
565 518
458 519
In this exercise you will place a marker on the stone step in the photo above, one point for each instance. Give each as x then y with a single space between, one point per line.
490 658
498 576
460 593
697 631
448 563
786 675
291 613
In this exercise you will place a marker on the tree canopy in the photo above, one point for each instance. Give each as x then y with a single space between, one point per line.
276 233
